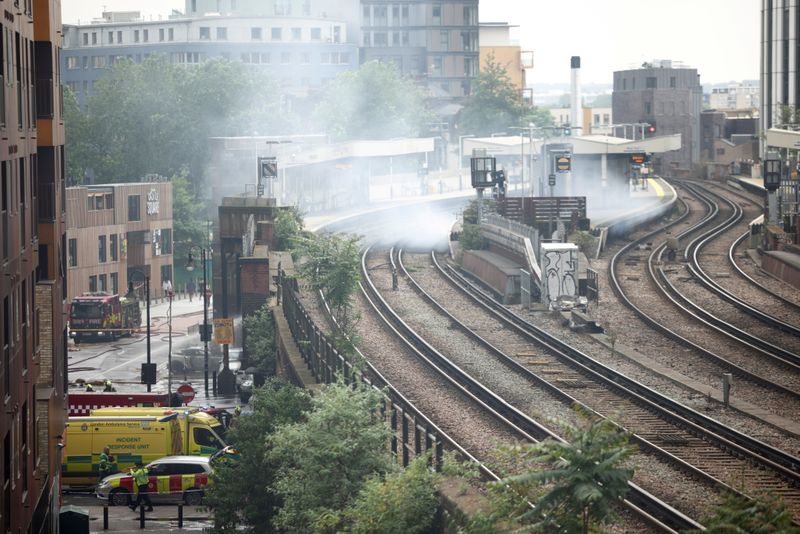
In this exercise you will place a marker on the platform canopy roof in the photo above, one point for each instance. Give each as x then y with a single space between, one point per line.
778 138
514 145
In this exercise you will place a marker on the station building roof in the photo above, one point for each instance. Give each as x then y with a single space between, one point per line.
514 145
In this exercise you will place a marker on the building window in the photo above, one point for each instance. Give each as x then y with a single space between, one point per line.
606 118
365 15
94 38
101 245
720 152
296 34
650 82
134 214
103 282
379 14
255 34
86 39
98 62
111 37
93 283
171 33
624 84
672 82
380 39
205 32
648 108
596 118
436 66
276 34
222 33
166 241
316 34
135 36
145 35
436 14
444 40
161 34
114 283
72 63
113 246
73 252
119 37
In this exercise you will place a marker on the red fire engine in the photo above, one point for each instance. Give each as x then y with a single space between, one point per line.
104 314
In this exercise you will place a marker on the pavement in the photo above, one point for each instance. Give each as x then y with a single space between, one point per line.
164 517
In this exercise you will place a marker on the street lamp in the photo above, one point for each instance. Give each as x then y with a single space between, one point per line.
147 293
206 333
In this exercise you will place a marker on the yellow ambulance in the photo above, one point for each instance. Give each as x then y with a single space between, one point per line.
133 438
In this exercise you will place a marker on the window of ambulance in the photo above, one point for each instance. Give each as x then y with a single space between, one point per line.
207 438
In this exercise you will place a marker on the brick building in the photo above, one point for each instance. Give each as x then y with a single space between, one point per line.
32 242
116 229
669 97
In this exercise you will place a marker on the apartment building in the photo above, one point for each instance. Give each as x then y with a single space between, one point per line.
118 233
434 42
736 96
496 43
32 240
301 53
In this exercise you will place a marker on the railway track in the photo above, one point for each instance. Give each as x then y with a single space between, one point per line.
761 382
648 508
676 434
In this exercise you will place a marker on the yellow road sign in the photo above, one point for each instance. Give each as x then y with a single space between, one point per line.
223 331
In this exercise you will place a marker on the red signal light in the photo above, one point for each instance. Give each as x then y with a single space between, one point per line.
651 129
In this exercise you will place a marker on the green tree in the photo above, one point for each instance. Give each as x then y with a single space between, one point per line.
584 481
259 340
374 102
156 117
241 496
332 264
288 228
739 515
326 459
77 141
188 223
401 503
496 105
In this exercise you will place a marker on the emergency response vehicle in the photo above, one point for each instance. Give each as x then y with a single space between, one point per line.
171 479
102 314
134 437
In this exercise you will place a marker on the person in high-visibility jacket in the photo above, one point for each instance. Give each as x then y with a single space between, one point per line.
140 477
106 459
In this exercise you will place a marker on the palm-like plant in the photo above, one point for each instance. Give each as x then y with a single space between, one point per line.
582 476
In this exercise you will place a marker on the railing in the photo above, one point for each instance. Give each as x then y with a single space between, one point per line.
412 432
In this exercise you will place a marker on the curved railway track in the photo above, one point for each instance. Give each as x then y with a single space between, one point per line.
647 507
676 434
759 381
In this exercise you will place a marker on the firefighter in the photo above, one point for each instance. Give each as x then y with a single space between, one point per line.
139 474
109 387
89 388
106 460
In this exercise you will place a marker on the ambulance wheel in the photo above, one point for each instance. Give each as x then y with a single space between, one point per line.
193 497
119 497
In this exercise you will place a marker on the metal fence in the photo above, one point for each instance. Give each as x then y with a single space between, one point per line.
413 434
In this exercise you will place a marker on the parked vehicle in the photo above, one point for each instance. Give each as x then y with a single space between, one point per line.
103 314
132 438
83 403
172 479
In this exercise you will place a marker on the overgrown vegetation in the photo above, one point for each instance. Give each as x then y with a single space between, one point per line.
373 102
586 242
574 484
259 340
288 228
495 104
736 514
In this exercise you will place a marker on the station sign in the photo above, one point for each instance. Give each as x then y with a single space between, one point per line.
563 163
639 158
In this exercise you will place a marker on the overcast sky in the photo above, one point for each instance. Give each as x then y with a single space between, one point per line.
718 37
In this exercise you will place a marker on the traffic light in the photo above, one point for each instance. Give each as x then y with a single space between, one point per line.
651 129
567 131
